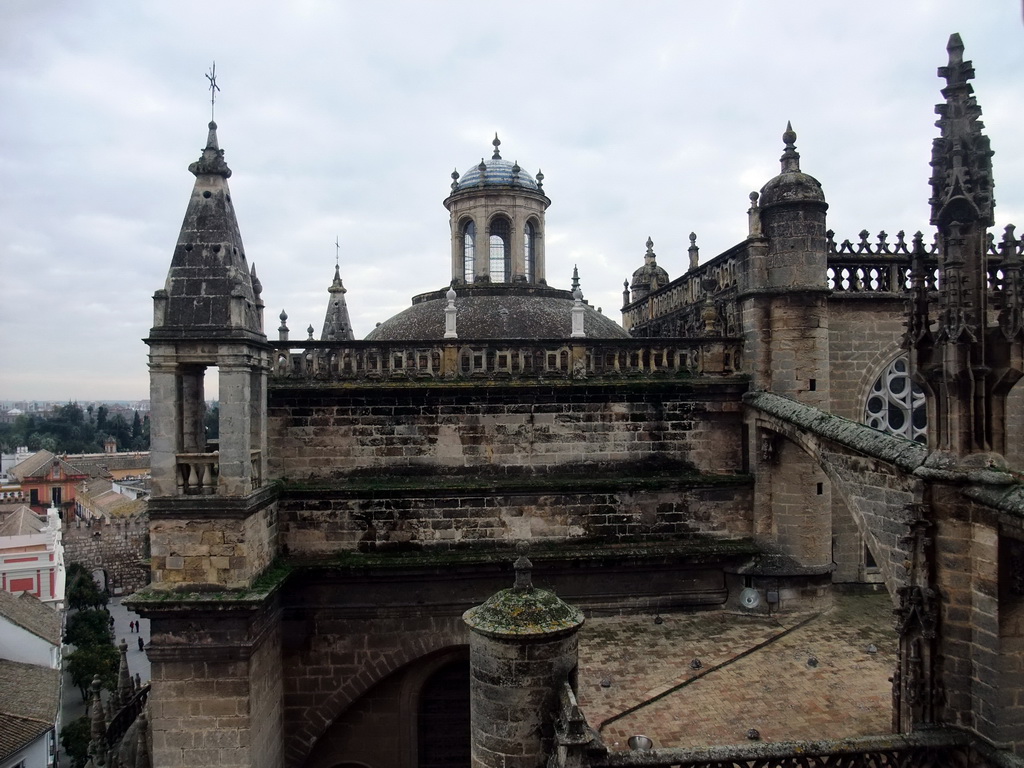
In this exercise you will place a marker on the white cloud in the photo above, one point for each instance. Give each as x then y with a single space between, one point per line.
346 119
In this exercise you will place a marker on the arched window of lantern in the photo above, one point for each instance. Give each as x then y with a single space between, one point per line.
500 261
896 404
530 251
468 250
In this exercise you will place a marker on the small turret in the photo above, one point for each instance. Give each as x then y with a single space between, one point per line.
650 277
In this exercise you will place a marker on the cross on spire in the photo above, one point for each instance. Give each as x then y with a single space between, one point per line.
212 77
337 251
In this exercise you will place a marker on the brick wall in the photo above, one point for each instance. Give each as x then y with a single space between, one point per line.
330 433
119 548
325 521
865 333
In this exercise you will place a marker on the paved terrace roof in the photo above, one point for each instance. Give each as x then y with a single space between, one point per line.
807 677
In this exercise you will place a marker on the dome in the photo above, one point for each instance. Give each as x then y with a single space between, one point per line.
496 312
496 172
649 277
792 185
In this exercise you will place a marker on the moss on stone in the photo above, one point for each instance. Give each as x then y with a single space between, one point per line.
522 613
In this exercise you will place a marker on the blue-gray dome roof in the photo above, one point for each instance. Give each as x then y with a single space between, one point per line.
498 172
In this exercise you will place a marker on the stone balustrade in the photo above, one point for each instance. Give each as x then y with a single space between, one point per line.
513 359
197 473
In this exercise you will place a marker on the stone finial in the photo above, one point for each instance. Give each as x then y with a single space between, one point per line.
455 179
449 314
578 314
693 251
309 330
97 724
124 678
575 278
516 170
753 217
211 162
790 157
523 568
540 180
497 152
257 286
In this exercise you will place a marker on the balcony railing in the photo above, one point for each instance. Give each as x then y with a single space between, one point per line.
197 473
555 359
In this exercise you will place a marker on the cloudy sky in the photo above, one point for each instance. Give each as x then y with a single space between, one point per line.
345 119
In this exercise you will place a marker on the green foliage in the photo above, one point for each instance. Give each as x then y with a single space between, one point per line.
88 627
74 738
83 664
71 429
211 421
82 591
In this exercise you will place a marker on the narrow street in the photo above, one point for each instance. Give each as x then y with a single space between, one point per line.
72 706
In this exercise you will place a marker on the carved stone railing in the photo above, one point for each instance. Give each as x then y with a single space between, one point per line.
328 361
123 719
197 473
688 297
949 749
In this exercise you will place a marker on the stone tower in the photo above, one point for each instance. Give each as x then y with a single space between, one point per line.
497 222
209 314
784 310
215 650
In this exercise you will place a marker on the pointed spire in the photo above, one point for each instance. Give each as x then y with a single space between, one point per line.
497 152
209 289
961 156
790 157
337 324
575 277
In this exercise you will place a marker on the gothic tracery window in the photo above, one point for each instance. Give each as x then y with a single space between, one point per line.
896 404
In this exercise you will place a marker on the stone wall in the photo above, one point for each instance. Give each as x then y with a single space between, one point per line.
119 548
327 521
865 333
515 429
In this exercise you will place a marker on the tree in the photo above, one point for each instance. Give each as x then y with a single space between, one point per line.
74 738
82 591
90 626
83 664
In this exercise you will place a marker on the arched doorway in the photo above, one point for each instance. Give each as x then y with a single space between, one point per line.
442 727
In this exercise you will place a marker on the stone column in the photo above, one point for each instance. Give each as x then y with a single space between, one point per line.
523 647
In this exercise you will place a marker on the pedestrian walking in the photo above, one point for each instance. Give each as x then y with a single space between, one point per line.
142 645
